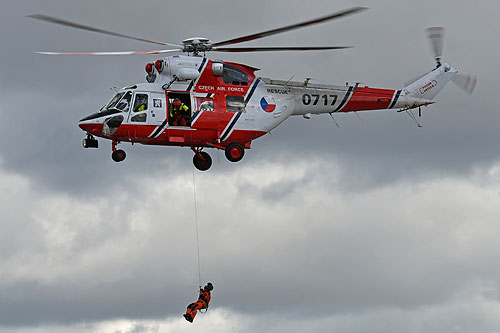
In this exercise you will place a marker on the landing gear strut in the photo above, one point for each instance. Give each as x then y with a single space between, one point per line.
117 155
201 160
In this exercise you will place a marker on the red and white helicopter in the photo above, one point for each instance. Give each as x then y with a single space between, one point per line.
228 105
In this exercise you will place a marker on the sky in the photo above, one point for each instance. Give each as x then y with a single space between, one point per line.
376 226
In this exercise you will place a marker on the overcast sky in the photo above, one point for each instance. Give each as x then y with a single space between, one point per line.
375 226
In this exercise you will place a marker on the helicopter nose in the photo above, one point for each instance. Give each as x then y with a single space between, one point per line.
90 123
88 127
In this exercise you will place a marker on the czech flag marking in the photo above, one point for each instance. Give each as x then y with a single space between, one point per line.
267 104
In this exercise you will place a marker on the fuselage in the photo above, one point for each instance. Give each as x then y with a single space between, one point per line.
227 103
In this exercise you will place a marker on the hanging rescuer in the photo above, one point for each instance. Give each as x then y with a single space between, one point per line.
201 303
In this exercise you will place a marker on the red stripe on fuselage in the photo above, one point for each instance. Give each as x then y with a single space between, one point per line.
365 98
170 136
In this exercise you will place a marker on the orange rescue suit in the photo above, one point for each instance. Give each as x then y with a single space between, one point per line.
202 303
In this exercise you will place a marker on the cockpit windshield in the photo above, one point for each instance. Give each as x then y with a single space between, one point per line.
121 102
124 103
114 101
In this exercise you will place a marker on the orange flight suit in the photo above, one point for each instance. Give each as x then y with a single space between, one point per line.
202 303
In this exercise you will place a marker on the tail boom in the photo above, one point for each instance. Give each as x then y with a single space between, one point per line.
341 99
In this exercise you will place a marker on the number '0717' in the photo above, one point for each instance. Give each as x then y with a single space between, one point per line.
321 99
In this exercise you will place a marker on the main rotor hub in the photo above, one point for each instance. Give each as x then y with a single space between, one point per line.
196 45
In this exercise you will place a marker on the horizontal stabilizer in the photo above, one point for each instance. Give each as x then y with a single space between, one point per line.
465 81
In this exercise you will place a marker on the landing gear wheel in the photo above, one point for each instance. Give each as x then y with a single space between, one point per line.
118 155
234 152
202 161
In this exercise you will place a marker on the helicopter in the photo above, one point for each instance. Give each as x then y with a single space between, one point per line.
226 105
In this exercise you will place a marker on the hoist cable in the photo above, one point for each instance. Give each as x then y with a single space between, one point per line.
196 225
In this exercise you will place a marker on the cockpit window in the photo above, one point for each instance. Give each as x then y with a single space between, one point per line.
141 102
124 103
114 101
233 75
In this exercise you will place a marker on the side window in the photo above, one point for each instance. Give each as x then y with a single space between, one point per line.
139 118
235 103
141 102
204 104
233 75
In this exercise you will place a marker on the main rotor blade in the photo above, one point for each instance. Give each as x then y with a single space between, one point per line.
110 53
290 27
283 48
89 28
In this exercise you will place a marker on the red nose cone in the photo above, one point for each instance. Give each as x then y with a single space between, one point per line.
90 128
149 68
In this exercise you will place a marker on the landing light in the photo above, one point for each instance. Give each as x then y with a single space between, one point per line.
149 68
159 65
151 77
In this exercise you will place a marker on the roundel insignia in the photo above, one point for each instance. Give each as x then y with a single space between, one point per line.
267 104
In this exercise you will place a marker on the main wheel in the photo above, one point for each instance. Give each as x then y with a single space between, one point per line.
203 162
118 155
234 152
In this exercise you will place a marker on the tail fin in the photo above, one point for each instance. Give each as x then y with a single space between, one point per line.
429 85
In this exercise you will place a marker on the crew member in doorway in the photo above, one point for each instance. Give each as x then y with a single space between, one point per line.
202 302
178 112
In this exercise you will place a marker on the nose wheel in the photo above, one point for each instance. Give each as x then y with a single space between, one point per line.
201 160
118 155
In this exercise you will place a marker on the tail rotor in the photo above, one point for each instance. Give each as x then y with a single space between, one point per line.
466 82
436 37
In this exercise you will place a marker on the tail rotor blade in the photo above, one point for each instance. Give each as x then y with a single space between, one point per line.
465 81
436 36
